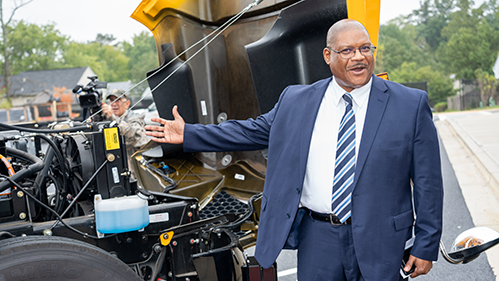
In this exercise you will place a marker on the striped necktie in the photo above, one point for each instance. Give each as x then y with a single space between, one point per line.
344 169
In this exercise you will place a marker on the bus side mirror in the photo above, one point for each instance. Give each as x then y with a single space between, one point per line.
470 244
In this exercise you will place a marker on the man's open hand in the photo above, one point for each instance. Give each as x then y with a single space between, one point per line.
171 131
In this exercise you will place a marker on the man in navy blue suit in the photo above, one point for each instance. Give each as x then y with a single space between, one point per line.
353 168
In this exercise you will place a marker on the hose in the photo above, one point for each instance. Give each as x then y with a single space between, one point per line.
172 182
22 129
7 165
48 160
26 172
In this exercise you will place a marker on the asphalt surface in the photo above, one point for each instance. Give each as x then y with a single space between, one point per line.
457 218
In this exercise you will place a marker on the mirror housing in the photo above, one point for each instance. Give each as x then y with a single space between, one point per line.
470 244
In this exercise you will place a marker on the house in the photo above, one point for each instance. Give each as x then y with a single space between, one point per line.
28 84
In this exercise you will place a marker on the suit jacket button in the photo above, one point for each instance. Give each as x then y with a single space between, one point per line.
298 190
288 216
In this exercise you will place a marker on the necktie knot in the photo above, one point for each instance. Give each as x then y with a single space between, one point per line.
348 98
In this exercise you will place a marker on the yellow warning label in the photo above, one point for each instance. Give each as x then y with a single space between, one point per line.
112 138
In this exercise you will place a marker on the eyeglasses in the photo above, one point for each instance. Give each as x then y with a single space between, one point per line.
118 101
349 53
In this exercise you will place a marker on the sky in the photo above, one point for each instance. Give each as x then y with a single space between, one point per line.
83 20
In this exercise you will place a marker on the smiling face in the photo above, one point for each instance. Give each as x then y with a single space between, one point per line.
119 107
354 72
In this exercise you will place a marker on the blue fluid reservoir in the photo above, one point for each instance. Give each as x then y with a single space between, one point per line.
122 214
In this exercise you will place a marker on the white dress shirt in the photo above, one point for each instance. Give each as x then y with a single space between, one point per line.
319 175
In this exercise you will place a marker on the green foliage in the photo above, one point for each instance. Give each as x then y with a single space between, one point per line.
141 43
439 86
441 107
4 103
143 57
34 47
108 62
441 38
470 49
488 86
431 18
399 45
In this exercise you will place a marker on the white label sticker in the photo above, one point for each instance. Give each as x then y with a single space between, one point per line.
116 176
239 177
160 217
203 108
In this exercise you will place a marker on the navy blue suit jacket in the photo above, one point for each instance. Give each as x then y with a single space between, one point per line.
399 144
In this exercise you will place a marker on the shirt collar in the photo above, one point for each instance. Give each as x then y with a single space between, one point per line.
359 95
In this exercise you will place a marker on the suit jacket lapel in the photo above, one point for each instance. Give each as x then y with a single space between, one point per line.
378 99
310 110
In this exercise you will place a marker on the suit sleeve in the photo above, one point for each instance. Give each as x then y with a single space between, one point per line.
428 187
231 135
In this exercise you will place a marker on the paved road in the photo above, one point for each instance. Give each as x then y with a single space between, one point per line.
457 218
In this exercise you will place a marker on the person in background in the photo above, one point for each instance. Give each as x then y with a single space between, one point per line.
131 124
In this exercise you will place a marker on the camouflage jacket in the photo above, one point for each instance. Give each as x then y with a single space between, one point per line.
132 128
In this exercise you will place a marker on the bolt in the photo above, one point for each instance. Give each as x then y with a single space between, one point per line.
174 243
129 240
22 216
144 255
170 274
20 194
47 232
110 157
165 236
144 238
157 248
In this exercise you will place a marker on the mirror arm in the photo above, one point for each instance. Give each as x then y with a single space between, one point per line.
446 256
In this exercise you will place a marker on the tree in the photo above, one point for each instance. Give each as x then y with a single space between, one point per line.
104 39
34 47
439 86
469 49
143 57
401 44
5 24
431 18
464 17
108 62
488 86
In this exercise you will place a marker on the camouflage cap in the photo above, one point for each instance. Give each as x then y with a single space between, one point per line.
117 93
